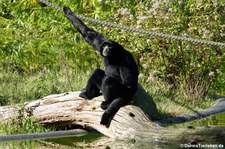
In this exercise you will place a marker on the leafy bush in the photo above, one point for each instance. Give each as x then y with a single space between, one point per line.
36 38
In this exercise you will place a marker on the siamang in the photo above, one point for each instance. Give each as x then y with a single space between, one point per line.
118 82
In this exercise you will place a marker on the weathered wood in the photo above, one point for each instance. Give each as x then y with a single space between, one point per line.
129 123
10 112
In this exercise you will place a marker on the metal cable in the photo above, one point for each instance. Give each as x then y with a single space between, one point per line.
132 29
51 5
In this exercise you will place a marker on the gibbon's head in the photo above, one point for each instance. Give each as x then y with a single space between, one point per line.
110 48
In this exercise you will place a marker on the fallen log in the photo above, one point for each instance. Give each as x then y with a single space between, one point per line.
68 109
132 122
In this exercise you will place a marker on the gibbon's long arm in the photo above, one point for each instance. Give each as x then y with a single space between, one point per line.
92 37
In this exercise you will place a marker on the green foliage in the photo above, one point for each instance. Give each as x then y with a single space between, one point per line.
25 126
193 69
31 43
35 38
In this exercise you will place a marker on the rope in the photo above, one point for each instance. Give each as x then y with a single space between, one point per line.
132 29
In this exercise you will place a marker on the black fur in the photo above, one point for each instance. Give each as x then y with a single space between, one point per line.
118 82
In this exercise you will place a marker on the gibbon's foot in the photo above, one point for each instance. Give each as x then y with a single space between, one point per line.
84 94
104 105
106 119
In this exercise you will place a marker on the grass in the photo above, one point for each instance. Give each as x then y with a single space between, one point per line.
173 102
18 88
26 126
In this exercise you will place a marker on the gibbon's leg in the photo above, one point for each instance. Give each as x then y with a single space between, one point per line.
112 109
94 84
113 92
111 89
92 37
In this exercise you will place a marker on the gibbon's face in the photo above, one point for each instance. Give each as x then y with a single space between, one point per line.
107 49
